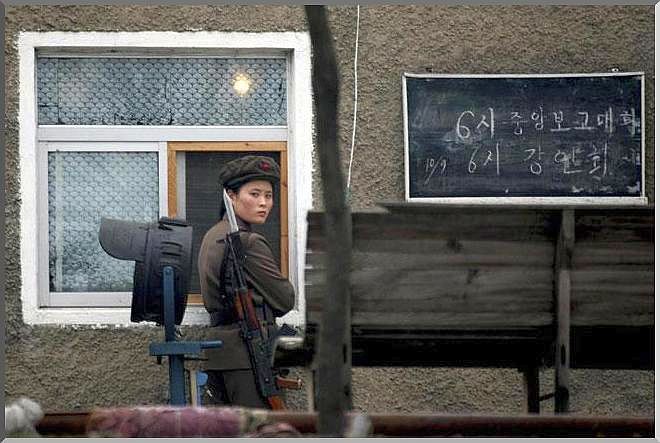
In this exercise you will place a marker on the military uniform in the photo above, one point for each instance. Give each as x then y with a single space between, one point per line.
230 377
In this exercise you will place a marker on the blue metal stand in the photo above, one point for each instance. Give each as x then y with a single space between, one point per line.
176 351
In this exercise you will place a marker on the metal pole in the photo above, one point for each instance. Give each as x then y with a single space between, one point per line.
177 387
420 425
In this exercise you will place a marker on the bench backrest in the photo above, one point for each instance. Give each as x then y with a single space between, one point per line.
486 271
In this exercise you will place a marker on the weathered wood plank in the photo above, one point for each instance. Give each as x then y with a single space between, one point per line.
594 306
612 308
445 280
626 279
454 246
435 320
613 253
522 225
503 304
636 291
433 253
614 320
614 225
460 250
459 226
455 301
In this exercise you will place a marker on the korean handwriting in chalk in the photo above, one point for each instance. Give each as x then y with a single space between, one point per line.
583 121
481 159
471 124
598 158
629 120
486 122
479 132
606 121
538 118
558 121
591 158
517 122
570 159
535 158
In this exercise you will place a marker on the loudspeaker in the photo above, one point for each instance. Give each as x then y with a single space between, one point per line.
152 246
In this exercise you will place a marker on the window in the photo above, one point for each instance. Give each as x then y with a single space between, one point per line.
135 132
84 183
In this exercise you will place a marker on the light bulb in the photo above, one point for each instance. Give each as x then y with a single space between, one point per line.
241 84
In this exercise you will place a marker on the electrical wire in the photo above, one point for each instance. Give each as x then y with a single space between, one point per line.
355 100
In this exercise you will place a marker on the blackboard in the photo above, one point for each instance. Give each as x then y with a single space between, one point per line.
523 136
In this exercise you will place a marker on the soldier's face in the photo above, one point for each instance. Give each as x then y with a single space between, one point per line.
253 201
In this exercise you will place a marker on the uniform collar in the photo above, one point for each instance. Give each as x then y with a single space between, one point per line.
242 224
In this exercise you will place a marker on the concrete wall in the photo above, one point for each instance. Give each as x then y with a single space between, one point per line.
65 368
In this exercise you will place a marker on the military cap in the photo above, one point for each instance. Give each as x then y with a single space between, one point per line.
251 167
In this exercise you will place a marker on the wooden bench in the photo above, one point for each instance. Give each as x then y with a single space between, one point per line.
494 286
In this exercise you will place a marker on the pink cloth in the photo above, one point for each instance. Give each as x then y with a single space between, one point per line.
276 430
166 421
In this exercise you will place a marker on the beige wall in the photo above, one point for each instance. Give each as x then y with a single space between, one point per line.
66 368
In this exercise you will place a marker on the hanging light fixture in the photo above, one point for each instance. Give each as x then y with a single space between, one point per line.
241 84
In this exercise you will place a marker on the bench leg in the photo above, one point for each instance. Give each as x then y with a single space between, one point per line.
532 388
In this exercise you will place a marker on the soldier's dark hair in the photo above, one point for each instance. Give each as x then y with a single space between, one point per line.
234 187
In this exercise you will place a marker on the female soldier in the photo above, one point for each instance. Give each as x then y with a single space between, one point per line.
249 183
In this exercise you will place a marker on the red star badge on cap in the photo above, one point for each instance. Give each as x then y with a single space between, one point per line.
264 166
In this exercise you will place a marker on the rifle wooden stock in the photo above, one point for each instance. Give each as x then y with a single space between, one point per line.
276 403
248 304
288 383
238 304
250 313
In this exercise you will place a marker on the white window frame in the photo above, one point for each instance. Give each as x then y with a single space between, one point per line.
88 299
34 142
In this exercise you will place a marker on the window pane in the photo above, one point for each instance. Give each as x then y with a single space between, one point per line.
160 91
203 201
82 188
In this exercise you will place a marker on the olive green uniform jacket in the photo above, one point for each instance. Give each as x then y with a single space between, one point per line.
263 276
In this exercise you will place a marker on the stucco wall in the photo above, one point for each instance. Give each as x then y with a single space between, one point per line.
474 40
67 368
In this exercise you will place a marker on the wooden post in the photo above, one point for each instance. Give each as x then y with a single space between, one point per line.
310 389
563 258
531 386
334 341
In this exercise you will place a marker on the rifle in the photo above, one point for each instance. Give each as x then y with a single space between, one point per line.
259 346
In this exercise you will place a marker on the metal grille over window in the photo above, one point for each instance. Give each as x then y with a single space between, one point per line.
162 91
83 187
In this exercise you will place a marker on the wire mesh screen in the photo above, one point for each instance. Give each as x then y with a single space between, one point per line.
161 91
82 188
